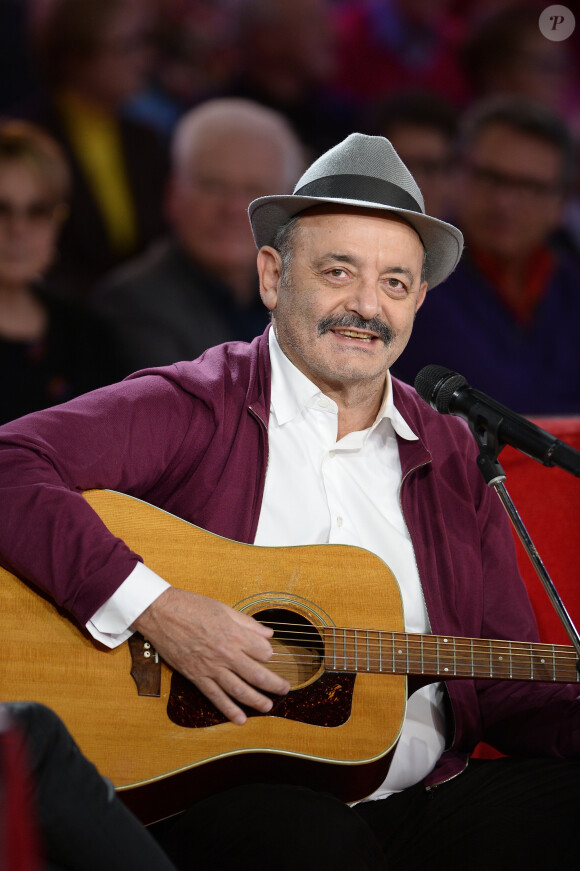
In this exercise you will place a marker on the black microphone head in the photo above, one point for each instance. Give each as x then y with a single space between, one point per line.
436 385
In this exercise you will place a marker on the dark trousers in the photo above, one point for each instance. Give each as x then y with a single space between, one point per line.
83 825
496 815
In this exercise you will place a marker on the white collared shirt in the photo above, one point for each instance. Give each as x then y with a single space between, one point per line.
320 490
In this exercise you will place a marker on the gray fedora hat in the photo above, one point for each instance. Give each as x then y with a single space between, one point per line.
366 172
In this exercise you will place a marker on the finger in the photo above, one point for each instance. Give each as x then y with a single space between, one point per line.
230 689
243 692
222 701
253 624
261 677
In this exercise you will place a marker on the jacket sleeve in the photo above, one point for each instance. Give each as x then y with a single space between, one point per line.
124 437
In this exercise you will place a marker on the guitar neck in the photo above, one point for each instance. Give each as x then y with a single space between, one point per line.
444 656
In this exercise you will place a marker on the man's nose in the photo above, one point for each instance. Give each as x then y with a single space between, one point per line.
364 298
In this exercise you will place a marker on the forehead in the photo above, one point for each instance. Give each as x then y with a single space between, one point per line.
20 177
372 231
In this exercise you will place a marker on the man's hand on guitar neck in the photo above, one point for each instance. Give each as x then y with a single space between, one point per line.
219 649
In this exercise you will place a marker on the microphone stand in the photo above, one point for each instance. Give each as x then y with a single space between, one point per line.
484 424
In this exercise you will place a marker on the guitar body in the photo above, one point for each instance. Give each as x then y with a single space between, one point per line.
162 751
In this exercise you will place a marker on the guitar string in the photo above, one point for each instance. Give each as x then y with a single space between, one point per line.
419 639
371 652
315 631
570 675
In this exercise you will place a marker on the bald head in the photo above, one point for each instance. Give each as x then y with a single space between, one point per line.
226 153
236 120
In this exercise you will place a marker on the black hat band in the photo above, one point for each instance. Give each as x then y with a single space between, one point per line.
360 187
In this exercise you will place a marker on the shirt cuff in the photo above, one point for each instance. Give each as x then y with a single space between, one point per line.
111 624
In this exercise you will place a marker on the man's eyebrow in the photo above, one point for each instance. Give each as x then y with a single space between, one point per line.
400 270
332 257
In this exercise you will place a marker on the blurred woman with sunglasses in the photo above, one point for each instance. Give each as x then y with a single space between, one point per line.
49 350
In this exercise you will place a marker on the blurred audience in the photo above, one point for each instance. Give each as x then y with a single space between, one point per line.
286 61
422 127
389 46
507 319
198 287
119 74
93 55
49 350
507 54
196 55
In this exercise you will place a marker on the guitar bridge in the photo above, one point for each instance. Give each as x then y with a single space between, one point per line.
145 666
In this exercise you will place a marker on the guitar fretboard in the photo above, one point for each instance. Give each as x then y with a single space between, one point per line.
374 651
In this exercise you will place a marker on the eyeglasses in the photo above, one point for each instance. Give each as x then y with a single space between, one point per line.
37 213
524 187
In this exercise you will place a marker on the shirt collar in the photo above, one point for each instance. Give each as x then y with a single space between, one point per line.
292 392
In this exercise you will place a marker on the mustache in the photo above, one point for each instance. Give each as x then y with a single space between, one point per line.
355 322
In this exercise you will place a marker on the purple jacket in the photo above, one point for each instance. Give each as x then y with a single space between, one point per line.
192 439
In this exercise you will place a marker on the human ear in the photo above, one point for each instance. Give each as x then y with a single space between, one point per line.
270 272
421 296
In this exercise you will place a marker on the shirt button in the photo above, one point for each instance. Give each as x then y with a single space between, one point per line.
332 453
323 402
339 521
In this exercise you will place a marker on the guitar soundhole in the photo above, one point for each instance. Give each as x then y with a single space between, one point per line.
317 697
298 647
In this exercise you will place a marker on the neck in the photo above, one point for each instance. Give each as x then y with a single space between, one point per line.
358 418
23 317
358 405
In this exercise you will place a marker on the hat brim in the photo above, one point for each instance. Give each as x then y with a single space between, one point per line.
443 242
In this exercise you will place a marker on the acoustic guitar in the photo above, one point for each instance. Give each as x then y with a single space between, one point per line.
341 644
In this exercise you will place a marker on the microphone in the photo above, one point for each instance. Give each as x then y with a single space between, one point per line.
449 393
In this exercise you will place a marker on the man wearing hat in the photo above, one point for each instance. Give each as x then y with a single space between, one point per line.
302 437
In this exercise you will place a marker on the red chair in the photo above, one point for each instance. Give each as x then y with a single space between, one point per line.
548 502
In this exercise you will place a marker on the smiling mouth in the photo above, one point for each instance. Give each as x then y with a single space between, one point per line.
353 334
352 327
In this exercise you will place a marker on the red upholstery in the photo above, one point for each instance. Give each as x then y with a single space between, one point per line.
548 502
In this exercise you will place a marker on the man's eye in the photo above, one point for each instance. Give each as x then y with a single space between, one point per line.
395 287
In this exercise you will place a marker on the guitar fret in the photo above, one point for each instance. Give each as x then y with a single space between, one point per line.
441 656
446 667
